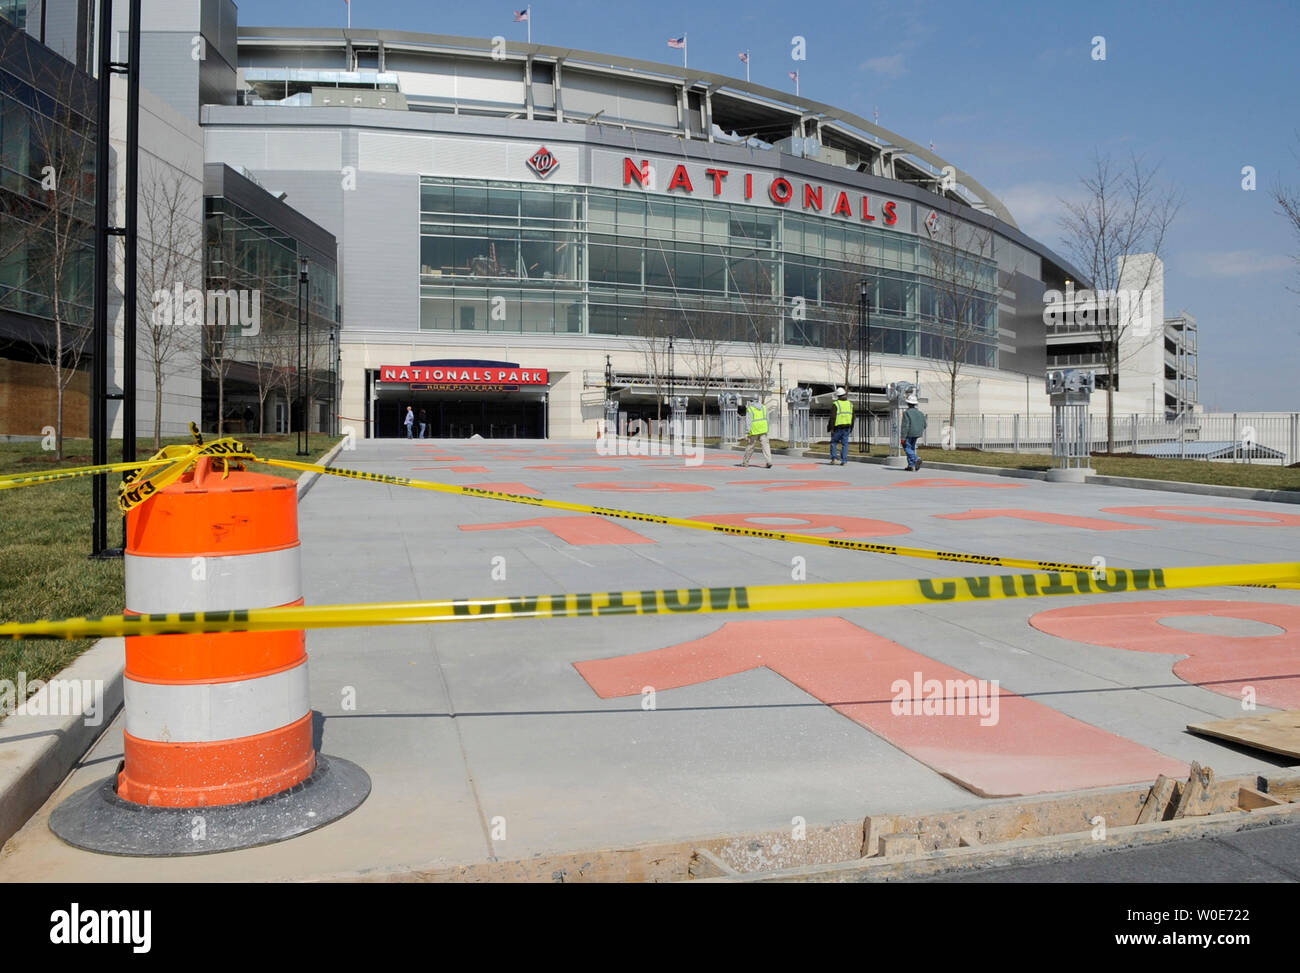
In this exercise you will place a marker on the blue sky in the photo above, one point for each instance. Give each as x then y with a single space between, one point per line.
1010 93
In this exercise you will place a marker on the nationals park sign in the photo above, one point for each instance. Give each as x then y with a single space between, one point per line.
452 374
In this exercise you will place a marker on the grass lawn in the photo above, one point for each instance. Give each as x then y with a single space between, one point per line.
44 568
1259 476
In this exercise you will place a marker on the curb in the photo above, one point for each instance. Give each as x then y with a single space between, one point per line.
307 480
38 752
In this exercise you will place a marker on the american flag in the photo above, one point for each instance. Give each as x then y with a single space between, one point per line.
794 75
677 42
521 15
744 57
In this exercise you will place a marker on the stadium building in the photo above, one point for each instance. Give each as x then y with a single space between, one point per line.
523 232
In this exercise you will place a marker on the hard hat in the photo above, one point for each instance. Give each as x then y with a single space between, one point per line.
911 398
841 391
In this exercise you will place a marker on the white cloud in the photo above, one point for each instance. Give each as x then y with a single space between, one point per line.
1235 263
1037 207
890 67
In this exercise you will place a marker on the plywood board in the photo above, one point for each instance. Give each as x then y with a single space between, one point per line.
1276 732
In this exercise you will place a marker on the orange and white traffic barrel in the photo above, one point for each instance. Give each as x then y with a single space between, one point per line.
219 721
220 718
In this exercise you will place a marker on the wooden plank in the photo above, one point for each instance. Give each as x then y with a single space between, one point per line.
1249 799
1275 732
1195 799
1161 793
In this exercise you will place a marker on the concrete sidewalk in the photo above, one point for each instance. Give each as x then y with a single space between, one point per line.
510 739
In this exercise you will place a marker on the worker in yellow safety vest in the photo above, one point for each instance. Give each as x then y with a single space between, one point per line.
841 425
757 415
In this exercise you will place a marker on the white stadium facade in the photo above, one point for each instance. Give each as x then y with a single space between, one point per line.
520 229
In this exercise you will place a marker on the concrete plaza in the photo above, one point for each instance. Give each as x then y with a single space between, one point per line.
505 740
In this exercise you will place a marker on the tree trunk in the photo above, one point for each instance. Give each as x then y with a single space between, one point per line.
952 398
221 397
157 404
58 420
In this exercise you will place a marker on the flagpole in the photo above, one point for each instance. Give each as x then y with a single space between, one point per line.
683 51
349 16
529 10
747 54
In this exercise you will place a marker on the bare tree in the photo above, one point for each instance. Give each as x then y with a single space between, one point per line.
1288 207
1125 213
170 262
52 226
842 330
652 343
962 272
705 355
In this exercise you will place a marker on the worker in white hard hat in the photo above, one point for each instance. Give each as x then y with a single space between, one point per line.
841 425
911 429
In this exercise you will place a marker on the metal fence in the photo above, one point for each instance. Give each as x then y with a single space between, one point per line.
1242 432
1252 433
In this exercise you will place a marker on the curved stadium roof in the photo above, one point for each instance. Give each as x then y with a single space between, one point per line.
755 111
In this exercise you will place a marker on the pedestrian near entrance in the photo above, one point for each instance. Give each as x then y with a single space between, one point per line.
757 415
409 421
841 425
424 422
913 428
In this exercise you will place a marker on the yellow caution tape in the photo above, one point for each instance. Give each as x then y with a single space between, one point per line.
991 560
14 480
168 464
134 491
662 601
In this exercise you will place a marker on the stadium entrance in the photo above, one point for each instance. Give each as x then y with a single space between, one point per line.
459 399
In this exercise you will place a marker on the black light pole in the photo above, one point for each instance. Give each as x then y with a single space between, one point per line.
304 437
864 324
99 333
99 393
672 401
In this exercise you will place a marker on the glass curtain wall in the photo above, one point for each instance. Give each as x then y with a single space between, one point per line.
259 262
513 257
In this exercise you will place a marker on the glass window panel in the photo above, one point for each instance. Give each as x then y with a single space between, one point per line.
834 242
629 266
715 224
471 309
472 259
436 314
568 313
688 270
436 198
538 311
503 203
471 200
713 271
657 263
631 215
602 257
689 221
659 221
601 210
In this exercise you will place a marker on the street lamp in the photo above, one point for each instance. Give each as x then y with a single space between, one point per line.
864 324
304 437
672 388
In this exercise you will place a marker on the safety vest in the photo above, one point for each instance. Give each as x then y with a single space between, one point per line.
757 420
843 412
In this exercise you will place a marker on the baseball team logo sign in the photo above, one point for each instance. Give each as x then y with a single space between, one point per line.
932 222
543 162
